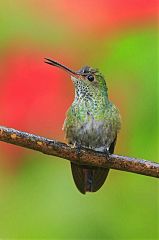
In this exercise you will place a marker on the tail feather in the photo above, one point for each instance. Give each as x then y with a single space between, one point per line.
100 175
78 177
88 179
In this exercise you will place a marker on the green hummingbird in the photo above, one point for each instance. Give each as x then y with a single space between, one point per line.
92 121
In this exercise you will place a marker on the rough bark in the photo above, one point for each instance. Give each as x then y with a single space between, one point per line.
86 156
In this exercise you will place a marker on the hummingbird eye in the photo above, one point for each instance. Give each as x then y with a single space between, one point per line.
90 77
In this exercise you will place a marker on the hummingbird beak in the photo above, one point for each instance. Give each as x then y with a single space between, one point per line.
56 64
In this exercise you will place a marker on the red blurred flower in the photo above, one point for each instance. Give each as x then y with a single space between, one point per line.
98 17
34 96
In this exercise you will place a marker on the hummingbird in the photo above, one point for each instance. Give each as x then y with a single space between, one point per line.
92 121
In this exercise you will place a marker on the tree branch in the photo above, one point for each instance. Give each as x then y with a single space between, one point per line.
86 157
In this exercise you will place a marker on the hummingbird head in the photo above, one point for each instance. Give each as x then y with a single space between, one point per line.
88 82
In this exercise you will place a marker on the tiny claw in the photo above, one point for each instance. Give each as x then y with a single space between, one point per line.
107 153
78 147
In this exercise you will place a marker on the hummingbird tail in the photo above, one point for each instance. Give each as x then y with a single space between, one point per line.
88 179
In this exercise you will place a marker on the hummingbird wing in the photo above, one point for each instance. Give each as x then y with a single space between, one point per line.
90 179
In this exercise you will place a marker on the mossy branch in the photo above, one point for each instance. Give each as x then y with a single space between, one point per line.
87 156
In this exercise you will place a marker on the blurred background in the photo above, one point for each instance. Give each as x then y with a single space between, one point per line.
38 198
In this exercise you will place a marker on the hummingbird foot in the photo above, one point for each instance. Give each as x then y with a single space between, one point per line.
107 153
78 148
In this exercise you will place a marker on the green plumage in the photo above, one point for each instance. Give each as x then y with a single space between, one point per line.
92 121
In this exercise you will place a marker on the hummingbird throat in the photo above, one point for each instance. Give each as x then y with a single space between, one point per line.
89 94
